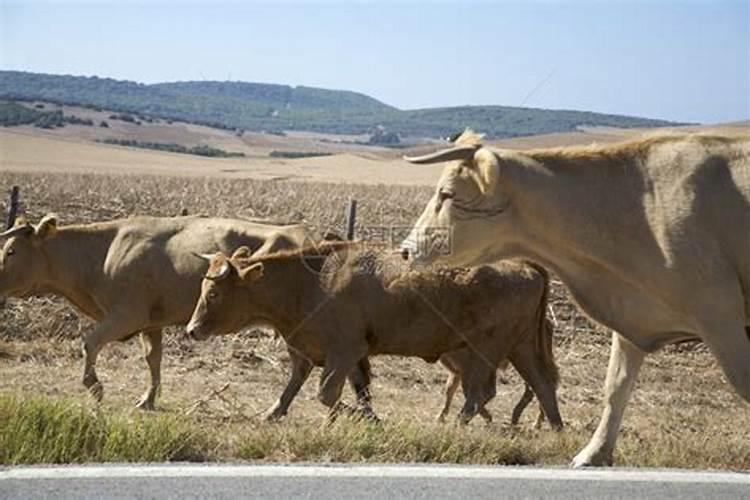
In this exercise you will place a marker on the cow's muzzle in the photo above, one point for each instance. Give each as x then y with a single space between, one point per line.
196 331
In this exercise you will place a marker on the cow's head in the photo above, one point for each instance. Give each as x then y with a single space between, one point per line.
469 209
23 260
224 306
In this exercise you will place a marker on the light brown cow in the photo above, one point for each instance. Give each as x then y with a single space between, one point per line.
341 302
652 237
130 275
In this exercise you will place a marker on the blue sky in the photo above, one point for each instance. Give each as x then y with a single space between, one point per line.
679 60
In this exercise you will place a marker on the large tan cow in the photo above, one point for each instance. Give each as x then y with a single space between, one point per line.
652 237
339 303
130 275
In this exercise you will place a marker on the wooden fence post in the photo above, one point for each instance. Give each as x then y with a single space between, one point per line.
351 219
12 208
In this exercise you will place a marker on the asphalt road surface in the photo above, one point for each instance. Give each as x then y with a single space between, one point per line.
363 481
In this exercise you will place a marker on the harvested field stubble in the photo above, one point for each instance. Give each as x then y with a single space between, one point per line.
682 412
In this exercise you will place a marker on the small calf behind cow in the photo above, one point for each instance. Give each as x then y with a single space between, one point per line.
339 303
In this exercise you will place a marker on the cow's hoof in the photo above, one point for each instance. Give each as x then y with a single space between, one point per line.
145 403
591 458
97 392
274 417
368 415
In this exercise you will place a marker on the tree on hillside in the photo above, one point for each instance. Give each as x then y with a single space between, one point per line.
383 138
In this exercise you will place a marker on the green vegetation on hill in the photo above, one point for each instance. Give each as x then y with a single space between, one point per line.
13 114
297 154
201 150
269 107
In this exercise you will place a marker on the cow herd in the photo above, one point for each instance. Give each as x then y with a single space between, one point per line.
652 237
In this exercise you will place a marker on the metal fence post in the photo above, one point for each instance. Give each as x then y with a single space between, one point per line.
351 219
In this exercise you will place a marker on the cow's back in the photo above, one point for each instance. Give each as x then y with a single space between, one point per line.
152 259
434 309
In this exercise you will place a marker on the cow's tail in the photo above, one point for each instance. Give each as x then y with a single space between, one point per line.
543 342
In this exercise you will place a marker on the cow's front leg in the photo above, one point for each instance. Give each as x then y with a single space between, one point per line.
526 398
451 386
479 386
151 342
301 368
730 343
625 361
113 327
360 378
332 381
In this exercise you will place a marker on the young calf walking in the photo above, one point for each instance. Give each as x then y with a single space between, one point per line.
340 302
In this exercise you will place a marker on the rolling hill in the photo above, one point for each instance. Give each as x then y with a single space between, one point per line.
271 107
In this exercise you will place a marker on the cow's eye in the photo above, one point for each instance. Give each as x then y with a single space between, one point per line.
10 252
212 295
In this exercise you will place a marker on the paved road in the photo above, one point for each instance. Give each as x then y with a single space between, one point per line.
363 481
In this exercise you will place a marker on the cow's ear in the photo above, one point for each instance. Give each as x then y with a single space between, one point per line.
46 227
242 253
486 166
251 273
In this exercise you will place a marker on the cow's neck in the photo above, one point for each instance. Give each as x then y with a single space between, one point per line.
287 295
75 258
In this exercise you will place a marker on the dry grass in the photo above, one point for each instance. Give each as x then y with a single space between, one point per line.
682 414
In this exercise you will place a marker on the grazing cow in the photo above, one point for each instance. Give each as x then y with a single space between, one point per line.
339 303
652 237
131 275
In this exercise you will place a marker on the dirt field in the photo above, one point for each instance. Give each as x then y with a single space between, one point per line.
682 413
25 150
73 149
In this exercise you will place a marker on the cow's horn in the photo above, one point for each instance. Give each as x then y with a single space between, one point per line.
222 273
204 256
459 153
27 228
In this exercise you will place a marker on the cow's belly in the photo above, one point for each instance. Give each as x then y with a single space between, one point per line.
645 321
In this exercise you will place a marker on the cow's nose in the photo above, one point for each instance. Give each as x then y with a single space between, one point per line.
405 253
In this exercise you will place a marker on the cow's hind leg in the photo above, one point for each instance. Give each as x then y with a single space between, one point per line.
301 368
535 373
113 327
526 398
151 342
625 361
